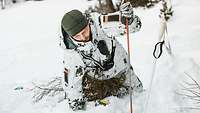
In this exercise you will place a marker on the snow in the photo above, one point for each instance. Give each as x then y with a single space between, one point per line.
29 51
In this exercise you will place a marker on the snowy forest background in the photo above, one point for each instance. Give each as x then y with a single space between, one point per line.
31 59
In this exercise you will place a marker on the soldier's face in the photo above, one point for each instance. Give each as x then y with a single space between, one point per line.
84 35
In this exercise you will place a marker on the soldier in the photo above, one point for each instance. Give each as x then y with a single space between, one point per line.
96 64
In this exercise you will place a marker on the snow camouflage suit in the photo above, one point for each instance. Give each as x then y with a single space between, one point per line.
98 68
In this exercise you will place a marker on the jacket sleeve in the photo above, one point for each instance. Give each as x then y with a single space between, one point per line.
73 85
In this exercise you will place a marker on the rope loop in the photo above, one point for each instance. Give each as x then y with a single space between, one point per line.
159 47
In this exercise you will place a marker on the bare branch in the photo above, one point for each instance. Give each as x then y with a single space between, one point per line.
193 80
49 89
191 91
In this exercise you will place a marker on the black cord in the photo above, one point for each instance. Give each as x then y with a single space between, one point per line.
158 45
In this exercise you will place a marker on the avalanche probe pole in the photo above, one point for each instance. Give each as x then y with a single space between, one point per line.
129 62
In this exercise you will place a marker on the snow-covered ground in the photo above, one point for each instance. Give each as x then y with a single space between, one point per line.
29 51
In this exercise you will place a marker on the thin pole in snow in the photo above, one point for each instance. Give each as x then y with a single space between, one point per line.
129 59
129 62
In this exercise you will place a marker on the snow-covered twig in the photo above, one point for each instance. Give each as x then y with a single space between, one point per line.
191 91
52 88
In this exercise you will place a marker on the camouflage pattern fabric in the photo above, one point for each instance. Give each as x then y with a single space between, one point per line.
95 89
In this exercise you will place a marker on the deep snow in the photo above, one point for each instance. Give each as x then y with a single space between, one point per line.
29 51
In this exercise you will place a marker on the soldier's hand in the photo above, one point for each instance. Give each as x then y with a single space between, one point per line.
126 10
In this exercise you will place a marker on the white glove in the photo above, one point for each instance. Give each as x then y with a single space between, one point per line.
126 10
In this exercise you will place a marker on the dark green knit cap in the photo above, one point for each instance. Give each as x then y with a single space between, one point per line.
73 22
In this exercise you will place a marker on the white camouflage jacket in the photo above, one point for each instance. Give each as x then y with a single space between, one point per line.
102 58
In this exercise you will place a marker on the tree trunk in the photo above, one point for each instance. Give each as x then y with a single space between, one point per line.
3 3
110 5
106 6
